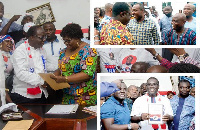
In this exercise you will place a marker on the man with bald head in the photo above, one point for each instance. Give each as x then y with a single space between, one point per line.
180 35
188 10
107 16
157 69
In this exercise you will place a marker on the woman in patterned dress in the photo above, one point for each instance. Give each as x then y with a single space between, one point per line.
77 66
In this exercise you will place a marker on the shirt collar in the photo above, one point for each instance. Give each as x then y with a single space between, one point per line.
56 40
118 23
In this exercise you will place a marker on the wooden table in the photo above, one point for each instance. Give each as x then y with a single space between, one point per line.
42 121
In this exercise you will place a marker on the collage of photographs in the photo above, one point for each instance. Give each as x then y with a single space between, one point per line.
99 65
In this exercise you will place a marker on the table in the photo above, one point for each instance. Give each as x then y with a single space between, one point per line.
42 121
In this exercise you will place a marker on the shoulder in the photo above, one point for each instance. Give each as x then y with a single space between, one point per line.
108 105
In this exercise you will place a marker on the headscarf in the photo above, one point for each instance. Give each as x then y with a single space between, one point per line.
7 37
191 80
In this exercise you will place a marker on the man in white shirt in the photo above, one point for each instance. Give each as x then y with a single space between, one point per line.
140 112
28 61
52 46
2 81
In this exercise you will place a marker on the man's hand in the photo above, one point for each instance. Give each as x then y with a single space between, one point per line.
177 51
145 116
151 50
166 118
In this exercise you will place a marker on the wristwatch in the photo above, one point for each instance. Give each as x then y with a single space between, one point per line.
155 56
182 57
129 127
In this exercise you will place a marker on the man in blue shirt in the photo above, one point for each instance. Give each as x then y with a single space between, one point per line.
188 10
183 106
115 113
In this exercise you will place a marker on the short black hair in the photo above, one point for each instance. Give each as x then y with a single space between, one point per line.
72 30
119 7
32 30
141 6
185 81
153 78
49 23
184 68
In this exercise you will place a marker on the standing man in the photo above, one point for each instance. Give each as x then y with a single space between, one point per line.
180 35
188 10
29 60
115 113
53 46
140 107
115 32
107 16
144 30
183 106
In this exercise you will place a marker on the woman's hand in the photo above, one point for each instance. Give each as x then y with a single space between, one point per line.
58 79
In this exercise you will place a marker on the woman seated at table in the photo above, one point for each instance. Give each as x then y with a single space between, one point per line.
7 48
77 66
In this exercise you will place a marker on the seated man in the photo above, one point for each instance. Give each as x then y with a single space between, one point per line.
179 35
115 113
183 106
140 112
115 32
28 61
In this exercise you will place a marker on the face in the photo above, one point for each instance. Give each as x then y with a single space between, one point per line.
143 89
137 12
1 10
121 94
129 60
192 92
49 31
170 96
188 11
70 43
27 19
126 17
97 11
152 87
133 91
39 38
184 89
96 20
167 11
177 23
7 45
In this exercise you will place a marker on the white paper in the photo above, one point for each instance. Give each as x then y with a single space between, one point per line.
9 106
63 109
156 113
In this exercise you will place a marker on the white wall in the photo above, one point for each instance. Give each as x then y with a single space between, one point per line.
65 11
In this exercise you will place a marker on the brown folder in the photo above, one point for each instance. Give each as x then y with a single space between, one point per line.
56 86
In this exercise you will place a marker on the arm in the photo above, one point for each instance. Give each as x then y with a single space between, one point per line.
21 68
96 37
156 37
109 125
5 29
136 119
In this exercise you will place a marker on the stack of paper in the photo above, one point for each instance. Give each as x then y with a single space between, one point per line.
63 109
91 110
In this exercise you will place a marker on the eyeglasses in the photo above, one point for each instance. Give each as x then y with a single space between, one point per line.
153 84
42 38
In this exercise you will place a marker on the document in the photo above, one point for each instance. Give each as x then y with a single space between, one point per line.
156 113
63 109
56 86
18 125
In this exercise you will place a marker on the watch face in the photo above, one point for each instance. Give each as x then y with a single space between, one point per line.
181 58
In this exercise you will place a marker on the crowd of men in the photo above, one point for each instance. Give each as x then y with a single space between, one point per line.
129 108
126 24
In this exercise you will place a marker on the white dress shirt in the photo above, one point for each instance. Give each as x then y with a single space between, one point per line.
2 80
141 106
23 78
53 52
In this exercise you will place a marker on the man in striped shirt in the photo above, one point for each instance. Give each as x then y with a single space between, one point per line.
179 35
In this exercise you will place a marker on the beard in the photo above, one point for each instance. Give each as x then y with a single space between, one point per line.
169 14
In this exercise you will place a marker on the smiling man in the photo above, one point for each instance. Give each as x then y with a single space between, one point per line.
140 107
179 35
115 113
